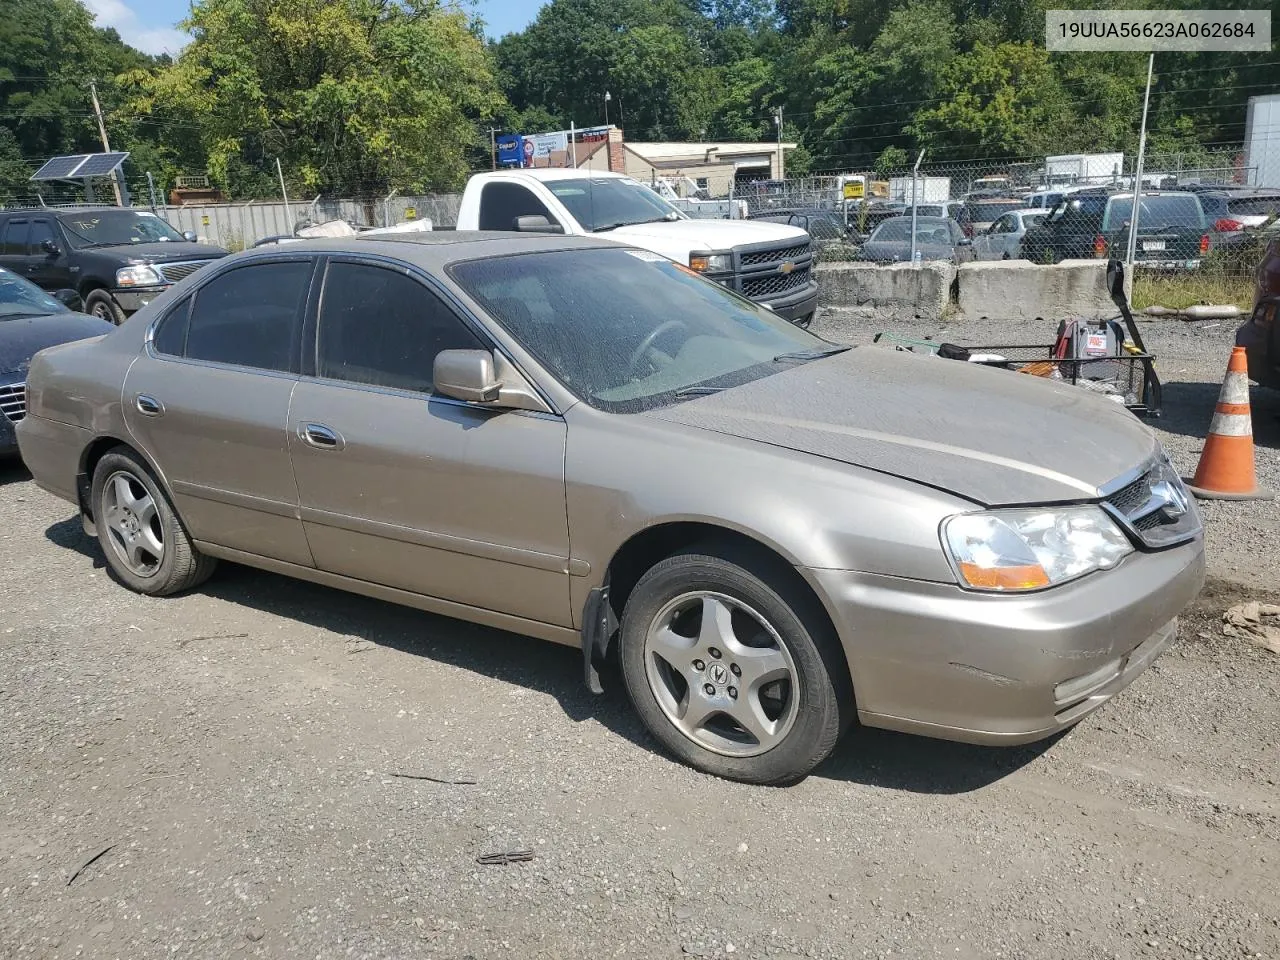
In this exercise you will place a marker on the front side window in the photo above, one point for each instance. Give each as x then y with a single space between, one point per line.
383 327
109 228
41 230
606 203
628 330
251 316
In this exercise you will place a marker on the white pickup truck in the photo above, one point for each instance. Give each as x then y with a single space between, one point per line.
769 263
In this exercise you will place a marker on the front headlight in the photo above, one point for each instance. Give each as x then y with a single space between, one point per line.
140 276
1027 549
711 262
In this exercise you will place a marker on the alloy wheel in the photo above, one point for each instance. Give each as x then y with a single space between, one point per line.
133 524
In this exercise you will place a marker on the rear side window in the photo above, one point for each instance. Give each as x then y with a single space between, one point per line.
501 203
171 336
14 241
251 316
383 327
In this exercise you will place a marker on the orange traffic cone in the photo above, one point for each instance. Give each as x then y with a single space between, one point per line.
1226 469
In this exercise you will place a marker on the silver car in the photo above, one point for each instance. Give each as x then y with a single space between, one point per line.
587 443
1003 239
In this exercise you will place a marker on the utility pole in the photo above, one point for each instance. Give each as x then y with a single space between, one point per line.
1137 178
288 214
493 146
782 170
102 131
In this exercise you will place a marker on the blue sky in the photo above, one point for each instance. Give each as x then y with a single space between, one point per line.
148 24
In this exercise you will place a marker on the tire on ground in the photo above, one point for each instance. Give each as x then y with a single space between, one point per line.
101 304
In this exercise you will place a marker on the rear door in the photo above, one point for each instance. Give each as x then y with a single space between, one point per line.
208 400
403 487
13 245
49 269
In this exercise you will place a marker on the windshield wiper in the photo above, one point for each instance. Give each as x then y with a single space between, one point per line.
814 354
697 391
665 218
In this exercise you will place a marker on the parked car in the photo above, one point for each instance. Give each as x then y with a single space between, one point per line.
1252 208
937 238
1003 239
823 226
31 320
1260 334
977 214
1172 232
118 260
988 578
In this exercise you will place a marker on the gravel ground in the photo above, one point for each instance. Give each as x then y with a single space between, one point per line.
235 754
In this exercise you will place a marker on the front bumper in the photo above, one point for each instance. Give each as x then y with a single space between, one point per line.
135 298
796 306
933 659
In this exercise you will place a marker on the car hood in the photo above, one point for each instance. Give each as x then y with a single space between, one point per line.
991 436
23 338
164 251
710 234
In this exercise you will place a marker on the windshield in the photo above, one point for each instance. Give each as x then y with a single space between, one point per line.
899 230
21 298
627 330
1156 213
988 211
608 202
112 227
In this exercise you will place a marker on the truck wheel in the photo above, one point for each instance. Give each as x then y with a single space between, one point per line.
736 675
102 305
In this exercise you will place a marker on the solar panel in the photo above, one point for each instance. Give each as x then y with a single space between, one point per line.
99 164
80 165
59 167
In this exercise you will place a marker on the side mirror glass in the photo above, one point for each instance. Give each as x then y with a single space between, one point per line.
69 299
50 247
189 236
537 224
466 375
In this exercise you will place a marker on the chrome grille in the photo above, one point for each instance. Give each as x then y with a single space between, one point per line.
1157 507
173 272
775 283
13 401
753 257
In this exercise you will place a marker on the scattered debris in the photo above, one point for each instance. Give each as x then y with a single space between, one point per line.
1256 622
166 776
97 856
509 856
254 934
423 776
213 636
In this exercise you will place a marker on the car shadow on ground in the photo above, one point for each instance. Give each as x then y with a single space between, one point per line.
871 757
12 470
1188 410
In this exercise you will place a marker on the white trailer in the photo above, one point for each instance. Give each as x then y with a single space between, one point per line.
1262 141
1083 168
927 189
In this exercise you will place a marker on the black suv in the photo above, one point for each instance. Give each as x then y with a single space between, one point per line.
117 260
1087 224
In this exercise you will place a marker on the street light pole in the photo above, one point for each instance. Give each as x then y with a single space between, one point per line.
607 98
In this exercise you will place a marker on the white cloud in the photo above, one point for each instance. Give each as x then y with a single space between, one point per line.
126 22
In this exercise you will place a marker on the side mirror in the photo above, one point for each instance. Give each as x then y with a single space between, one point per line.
189 236
68 298
537 224
964 242
50 247
466 375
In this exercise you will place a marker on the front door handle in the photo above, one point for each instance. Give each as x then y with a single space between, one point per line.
320 436
148 406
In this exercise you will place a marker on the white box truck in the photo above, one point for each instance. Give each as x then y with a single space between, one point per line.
1262 141
1072 169
927 189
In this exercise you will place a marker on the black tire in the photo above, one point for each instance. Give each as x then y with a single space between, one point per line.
101 304
824 695
181 566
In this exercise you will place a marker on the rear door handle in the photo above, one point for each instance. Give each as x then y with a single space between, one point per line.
148 406
320 436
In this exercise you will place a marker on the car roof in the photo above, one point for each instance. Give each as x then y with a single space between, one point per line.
919 220
434 249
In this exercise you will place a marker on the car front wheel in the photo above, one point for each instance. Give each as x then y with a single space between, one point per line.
102 305
734 669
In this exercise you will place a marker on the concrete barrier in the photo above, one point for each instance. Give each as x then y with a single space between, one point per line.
887 293
1019 290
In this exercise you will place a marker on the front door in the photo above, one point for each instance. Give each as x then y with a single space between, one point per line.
420 492
44 267
208 400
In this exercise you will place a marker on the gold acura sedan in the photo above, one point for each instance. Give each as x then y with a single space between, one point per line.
588 443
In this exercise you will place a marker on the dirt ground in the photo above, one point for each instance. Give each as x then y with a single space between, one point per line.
231 774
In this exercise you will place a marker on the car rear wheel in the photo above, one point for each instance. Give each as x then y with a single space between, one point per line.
145 543
737 675
102 305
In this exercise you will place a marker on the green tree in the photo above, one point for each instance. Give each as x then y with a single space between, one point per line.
353 96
